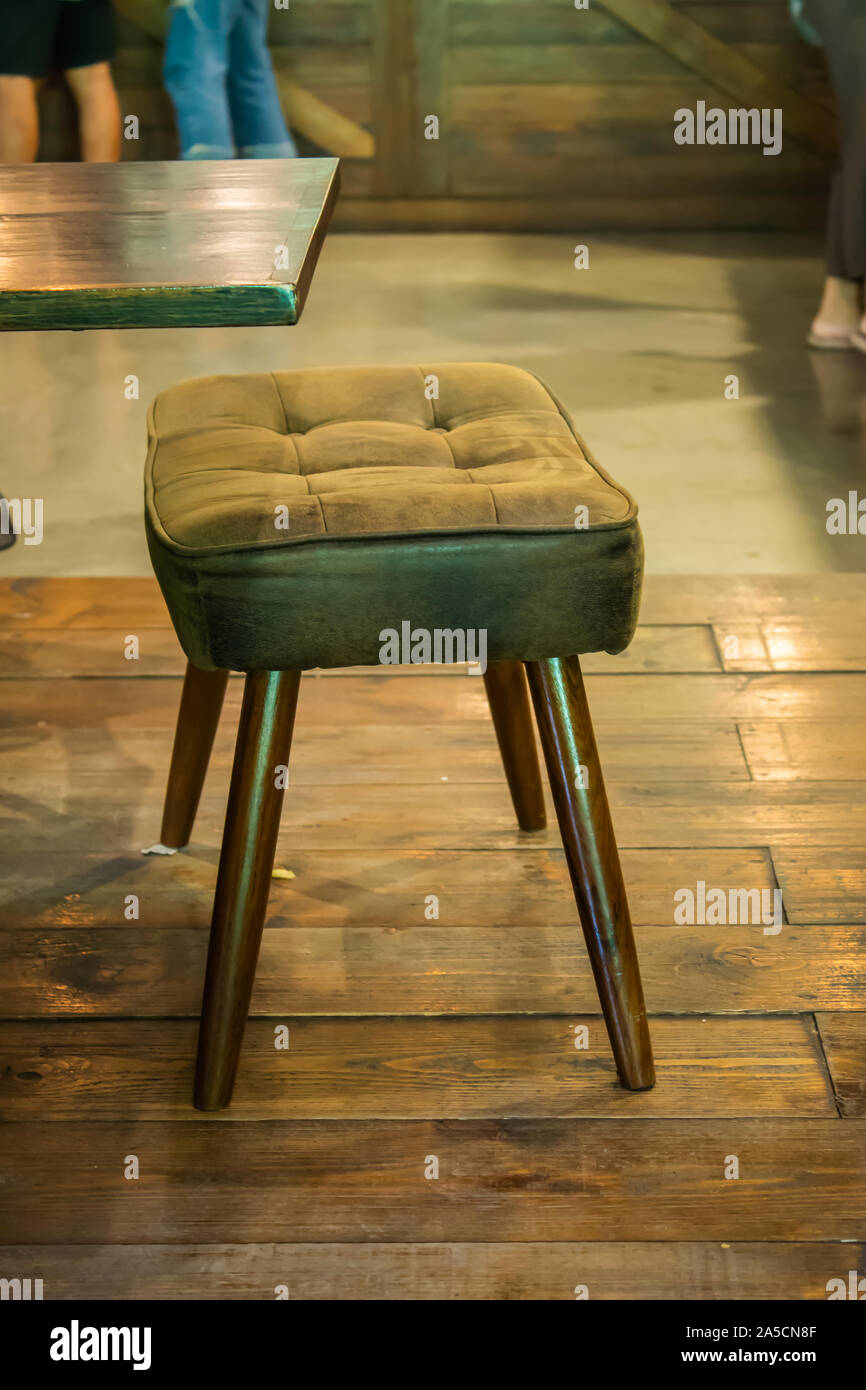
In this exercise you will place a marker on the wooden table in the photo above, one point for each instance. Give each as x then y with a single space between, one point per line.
197 243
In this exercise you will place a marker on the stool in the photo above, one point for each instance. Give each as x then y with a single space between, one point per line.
295 520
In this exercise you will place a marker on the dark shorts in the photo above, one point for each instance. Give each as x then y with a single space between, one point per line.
37 36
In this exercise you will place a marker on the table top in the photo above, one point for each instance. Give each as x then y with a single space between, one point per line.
183 243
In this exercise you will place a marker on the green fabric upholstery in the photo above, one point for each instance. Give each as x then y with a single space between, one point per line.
453 512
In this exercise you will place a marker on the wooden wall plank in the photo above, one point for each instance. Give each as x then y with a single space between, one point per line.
629 59
479 22
677 33
800 66
316 65
432 97
320 1180
721 210
566 106
322 23
596 63
394 76
766 20
650 175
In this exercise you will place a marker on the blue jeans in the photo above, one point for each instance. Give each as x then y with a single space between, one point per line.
218 73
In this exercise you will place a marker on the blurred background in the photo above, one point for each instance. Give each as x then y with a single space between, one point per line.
550 117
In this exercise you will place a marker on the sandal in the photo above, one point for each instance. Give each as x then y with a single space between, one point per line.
834 339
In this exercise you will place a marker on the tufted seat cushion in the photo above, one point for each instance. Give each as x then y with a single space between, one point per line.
292 516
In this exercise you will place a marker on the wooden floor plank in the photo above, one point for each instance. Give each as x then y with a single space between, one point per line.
43 653
843 1037
519 887
397 1068
826 885
479 1270
793 646
819 750
503 1180
140 971
826 601
426 699
86 602
444 815
388 753
28 652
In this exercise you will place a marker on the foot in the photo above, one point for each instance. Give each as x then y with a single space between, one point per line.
839 315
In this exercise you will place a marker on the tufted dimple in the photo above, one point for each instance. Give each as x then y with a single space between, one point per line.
370 444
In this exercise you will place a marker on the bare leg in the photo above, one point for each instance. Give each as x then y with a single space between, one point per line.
839 314
99 117
842 29
19 120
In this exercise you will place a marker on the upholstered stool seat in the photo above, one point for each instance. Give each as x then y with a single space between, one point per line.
292 516
295 517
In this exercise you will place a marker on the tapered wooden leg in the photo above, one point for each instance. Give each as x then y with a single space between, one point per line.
244 878
584 819
197 720
508 698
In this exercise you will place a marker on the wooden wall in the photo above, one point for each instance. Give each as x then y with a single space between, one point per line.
550 117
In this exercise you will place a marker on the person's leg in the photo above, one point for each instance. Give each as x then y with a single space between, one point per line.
842 27
27 33
19 120
26 40
84 47
259 126
194 69
98 113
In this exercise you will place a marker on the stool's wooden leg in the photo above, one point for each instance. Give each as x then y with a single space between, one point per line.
508 697
244 878
590 848
197 720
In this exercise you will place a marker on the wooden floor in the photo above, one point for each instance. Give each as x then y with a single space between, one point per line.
733 734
